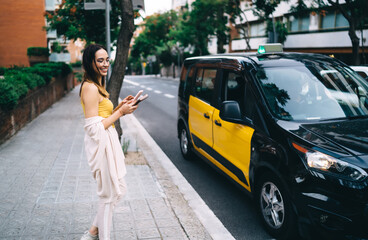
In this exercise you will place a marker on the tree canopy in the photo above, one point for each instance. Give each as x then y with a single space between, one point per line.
191 30
157 37
72 21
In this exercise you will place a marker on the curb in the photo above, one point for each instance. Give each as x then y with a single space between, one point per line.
154 156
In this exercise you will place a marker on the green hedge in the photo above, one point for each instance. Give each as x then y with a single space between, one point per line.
77 64
20 86
53 68
2 71
38 51
18 81
8 96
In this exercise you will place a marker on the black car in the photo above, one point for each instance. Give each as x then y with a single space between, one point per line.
289 128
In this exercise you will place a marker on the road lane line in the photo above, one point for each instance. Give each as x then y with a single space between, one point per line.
131 82
169 95
157 91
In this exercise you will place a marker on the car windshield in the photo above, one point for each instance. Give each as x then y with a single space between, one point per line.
314 92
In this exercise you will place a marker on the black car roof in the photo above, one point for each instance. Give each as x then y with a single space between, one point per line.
269 60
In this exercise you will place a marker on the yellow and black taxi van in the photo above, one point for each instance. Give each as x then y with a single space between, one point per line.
289 128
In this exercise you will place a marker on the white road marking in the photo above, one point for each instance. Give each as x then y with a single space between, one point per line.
149 89
169 95
131 82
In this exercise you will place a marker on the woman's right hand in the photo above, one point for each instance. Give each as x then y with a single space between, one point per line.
128 107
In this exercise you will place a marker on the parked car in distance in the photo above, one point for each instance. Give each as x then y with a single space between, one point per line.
361 70
291 129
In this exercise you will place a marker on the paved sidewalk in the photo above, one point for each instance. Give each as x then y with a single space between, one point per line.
47 190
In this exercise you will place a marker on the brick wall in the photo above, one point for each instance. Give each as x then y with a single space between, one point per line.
36 102
21 23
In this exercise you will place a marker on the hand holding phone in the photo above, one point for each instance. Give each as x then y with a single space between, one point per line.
141 99
125 100
138 94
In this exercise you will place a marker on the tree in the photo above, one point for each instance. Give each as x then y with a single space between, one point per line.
221 20
265 9
194 30
243 29
122 52
200 24
72 21
353 10
157 38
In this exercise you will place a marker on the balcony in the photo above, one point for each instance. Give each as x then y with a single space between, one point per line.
50 5
60 57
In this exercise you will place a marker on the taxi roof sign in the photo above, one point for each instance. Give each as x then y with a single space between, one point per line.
270 48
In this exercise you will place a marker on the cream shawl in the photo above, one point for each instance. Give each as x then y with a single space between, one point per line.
105 158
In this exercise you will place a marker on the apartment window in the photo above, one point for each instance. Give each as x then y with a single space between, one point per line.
333 20
297 24
341 21
257 29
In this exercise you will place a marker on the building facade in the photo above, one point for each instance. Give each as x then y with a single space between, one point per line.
22 25
325 32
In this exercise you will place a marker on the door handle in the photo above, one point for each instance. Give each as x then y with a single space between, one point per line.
206 115
218 123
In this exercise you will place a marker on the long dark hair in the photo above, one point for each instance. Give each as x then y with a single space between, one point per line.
91 73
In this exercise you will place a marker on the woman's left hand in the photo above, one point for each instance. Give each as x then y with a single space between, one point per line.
128 107
124 101
128 98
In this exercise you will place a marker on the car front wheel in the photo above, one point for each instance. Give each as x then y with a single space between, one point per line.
274 206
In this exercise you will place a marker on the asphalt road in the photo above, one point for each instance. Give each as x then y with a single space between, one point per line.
158 114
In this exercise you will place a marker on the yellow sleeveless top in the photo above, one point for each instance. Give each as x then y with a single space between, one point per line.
105 108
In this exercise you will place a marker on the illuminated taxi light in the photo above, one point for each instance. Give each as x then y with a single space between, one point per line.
261 50
270 48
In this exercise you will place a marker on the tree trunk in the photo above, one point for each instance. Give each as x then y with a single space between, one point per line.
353 23
221 35
348 12
355 44
122 51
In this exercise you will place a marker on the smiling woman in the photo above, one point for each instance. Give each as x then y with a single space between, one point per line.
103 150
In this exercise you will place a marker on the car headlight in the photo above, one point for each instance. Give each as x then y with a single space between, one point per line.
328 164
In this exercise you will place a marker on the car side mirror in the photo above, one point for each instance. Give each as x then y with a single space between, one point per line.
230 112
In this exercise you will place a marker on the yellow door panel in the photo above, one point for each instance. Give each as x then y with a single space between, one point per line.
220 166
232 141
200 120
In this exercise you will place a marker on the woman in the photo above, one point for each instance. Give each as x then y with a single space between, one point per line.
102 146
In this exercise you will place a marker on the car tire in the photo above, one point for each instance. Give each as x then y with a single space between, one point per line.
185 143
275 207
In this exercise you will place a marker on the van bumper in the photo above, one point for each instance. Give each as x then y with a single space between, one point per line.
333 214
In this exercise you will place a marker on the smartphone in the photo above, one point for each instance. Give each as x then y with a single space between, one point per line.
141 99
138 94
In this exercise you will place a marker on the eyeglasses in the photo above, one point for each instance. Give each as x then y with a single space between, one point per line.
102 61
